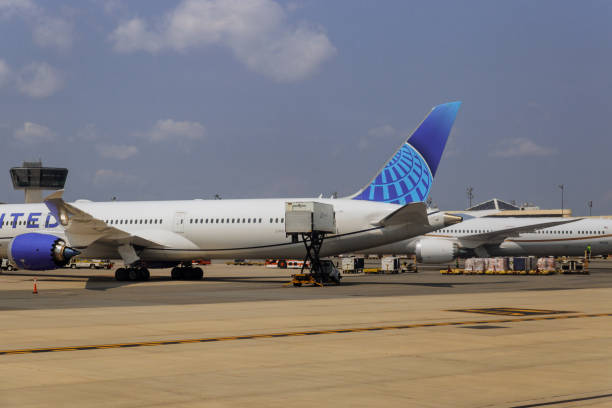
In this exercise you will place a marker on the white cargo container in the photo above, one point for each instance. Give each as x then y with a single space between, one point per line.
309 216
352 264
390 264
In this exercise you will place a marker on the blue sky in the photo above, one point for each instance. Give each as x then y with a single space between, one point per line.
176 100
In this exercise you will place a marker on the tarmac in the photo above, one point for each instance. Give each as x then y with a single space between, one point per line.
240 337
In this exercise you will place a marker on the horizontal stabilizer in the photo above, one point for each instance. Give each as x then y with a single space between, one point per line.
413 213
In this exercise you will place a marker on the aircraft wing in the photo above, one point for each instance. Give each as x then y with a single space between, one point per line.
82 229
498 236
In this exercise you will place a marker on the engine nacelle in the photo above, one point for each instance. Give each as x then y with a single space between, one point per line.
39 252
435 251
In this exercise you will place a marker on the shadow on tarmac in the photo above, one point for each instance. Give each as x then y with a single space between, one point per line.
103 283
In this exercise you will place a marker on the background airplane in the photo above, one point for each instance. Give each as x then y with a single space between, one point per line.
508 236
168 233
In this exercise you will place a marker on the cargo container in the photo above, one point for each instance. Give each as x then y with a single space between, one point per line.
352 264
309 216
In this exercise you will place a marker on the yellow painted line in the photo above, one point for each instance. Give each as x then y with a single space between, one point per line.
509 311
295 334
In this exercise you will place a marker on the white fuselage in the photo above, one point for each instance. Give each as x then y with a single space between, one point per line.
564 240
570 239
249 228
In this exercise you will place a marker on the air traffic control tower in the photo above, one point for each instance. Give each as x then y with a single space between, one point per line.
34 178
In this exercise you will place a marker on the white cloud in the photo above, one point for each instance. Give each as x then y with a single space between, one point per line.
88 132
382 131
47 31
256 31
169 129
520 147
5 73
32 133
53 32
106 176
9 8
378 132
119 152
39 80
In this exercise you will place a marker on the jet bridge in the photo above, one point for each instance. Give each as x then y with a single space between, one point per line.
311 220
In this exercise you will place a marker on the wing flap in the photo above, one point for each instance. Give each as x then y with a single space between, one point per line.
82 229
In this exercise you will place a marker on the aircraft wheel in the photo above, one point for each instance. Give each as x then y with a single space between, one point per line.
121 274
197 273
9 268
73 266
176 273
146 275
133 274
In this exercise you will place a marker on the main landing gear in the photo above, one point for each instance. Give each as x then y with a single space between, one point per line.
186 273
137 273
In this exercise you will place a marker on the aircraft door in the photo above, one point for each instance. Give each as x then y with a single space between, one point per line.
179 221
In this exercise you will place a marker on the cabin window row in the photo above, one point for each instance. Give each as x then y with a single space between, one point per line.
462 231
132 221
228 220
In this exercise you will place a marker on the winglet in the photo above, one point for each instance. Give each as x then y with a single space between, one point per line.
55 195
55 203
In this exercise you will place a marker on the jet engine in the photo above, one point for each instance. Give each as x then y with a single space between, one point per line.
435 251
34 251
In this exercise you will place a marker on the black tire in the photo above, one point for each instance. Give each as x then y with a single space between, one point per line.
176 273
73 266
92 266
121 274
198 273
146 274
9 268
133 274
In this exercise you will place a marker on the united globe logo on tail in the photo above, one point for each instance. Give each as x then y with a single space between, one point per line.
408 176
405 179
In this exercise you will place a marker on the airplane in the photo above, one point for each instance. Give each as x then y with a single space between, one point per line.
150 234
507 236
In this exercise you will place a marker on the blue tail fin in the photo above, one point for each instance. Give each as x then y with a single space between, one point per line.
407 177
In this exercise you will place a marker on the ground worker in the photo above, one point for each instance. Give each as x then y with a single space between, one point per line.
588 251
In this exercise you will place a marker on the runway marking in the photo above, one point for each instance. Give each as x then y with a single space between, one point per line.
510 311
294 334
543 404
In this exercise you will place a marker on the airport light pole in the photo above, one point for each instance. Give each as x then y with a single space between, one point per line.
470 194
590 205
562 187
